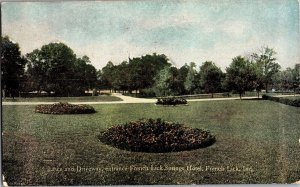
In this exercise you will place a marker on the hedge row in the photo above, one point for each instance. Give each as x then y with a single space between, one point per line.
155 135
64 108
283 100
171 101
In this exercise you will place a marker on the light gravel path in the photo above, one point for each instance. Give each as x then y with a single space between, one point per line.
128 99
3 181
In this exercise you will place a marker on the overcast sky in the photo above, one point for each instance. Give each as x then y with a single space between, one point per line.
185 31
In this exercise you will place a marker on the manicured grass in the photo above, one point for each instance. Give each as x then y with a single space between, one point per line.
261 136
101 98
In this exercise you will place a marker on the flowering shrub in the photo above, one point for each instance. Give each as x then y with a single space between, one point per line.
150 135
64 108
171 101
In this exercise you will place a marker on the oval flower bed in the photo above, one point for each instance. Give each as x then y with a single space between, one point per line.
171 101
150 135
64 108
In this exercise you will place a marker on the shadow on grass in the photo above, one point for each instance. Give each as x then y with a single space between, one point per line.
250 99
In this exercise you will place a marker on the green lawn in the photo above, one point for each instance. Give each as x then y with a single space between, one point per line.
259 137
102 98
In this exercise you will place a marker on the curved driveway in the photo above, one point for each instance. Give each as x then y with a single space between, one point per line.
128 99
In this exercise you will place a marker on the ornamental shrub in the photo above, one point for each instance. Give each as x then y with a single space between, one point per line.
171 101
155 135
64 108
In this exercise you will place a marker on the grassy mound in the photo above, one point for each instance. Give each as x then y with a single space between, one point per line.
150 135
64 108
171 101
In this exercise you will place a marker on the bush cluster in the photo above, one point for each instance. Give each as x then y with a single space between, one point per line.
283 100
64 108
171 101
155 135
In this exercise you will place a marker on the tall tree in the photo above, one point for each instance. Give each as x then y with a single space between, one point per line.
210 77
145 69
55 68
163 82
266 61
52 67
136 74
241 75
287 79
108 75
182 74
122 77
12 67
85 75
177 84
190 81
259 82
167 82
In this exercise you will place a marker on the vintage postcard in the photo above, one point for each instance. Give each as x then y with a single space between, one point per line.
155 92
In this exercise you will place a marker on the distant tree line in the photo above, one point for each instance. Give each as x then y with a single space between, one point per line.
56 70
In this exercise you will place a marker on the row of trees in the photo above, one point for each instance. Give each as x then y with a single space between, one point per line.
154 75
258 71
135 74
55 69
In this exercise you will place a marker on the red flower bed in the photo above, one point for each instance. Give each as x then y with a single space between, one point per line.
64 108
156 136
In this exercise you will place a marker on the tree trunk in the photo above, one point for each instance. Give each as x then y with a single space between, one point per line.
13 94
3 93
240 96
212 95
257 94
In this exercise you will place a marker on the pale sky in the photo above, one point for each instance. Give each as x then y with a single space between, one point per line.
185 31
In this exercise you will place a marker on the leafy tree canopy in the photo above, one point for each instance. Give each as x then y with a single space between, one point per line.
210 77
55 68
266 64
241 75
12 66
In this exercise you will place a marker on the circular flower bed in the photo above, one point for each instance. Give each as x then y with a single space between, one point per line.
64 108
156 136
171 101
